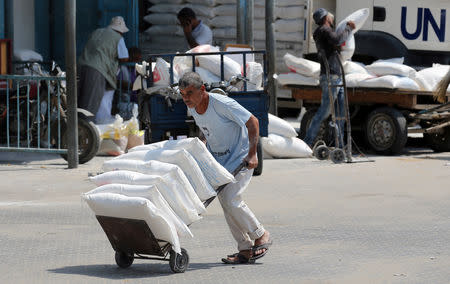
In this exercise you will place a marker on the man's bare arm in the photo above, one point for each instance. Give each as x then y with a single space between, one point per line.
253 135
187 29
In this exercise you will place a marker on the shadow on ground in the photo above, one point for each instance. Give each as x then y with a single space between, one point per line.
21 158
135 271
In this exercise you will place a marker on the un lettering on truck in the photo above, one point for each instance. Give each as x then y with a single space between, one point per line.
420 25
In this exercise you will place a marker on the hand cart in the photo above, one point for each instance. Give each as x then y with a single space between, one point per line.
339 152
133 239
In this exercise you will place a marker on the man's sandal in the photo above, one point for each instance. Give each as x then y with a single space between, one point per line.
238 259
255 248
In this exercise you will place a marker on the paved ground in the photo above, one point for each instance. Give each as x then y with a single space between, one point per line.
381 222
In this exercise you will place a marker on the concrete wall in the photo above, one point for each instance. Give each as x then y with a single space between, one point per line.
24 32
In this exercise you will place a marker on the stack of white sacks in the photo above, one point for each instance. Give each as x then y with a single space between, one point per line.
289 24
165 34
208 67
384 73
387 73
164 184
282 141
220 15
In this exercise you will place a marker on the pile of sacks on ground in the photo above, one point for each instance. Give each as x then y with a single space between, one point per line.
384 73
208 67
120 136
164 184
282 141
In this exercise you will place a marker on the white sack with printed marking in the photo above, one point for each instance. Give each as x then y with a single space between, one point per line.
292 78
283 147
161 73
152 193
359 17
138 208
302 66
182 159
281 127
214 172
171 174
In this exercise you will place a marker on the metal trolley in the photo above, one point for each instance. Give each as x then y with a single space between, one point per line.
133 239
321 150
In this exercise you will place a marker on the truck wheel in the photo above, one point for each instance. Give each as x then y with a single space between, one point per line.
324 131
258 170
439 142
386 131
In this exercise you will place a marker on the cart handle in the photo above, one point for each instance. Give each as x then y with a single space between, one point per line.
242 165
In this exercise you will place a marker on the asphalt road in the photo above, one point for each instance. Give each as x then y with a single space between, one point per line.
386 221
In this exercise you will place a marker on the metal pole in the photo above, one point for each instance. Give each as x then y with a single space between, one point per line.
71 82
271 55
249 5
240 21
9 20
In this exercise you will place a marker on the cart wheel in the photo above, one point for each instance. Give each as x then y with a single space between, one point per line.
123 259
321 152
179 262
337 156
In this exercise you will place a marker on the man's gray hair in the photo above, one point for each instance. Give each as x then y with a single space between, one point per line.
190 79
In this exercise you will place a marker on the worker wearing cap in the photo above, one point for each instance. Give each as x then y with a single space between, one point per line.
328 44
195 31
99 64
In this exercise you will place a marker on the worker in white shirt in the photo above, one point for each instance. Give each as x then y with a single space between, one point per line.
195 31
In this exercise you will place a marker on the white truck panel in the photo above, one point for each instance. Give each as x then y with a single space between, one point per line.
420 25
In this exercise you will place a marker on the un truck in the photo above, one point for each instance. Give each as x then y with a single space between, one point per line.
417 30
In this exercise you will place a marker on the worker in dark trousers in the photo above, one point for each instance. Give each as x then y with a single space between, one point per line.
328 43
